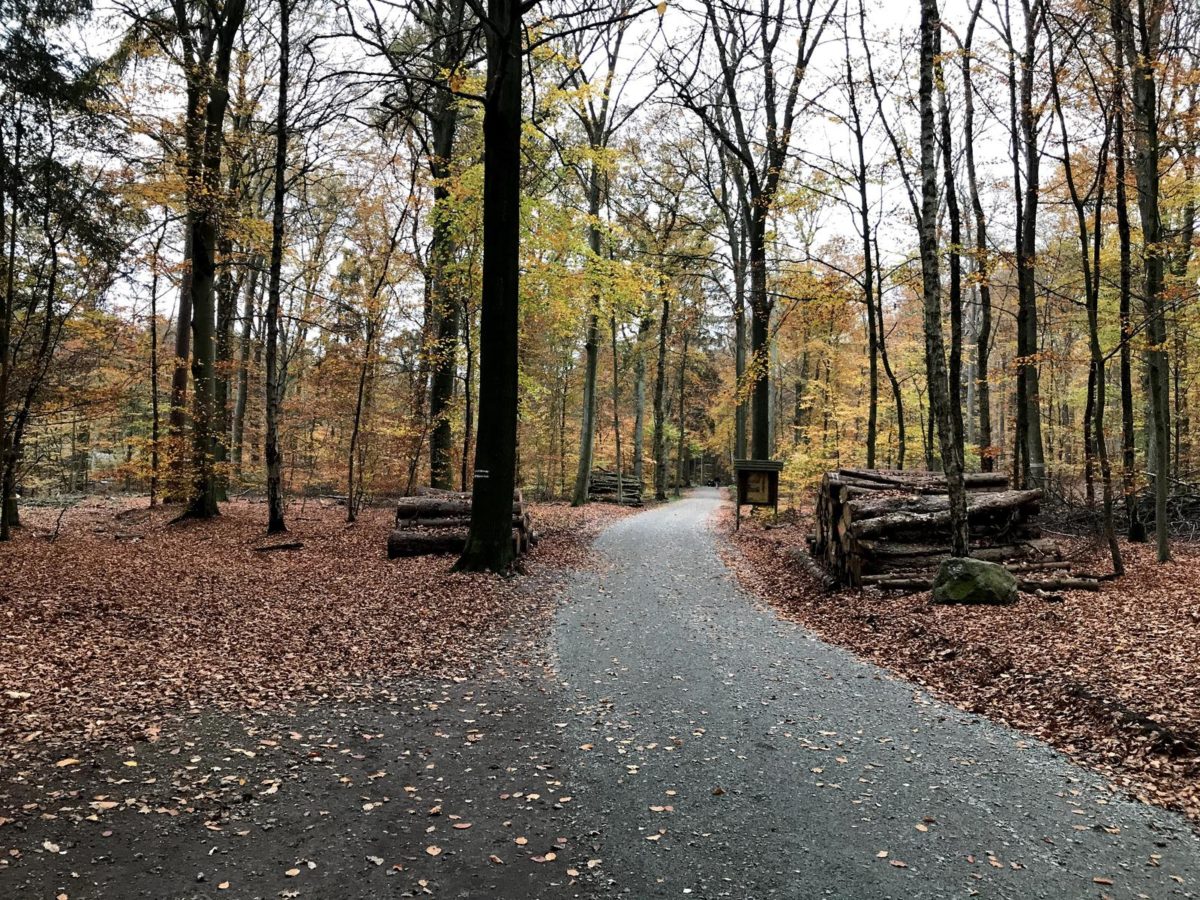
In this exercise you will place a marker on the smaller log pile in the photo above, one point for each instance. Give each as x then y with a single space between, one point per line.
438 522
603 487
892 528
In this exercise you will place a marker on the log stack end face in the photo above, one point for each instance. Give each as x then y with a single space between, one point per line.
875 526
439 523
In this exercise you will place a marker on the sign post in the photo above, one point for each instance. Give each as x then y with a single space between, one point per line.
757 484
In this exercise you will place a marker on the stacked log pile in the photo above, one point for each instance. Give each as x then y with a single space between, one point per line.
438 522
892 528
604 486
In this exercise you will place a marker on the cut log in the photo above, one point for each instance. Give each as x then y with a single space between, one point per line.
437 521
980 508
442 507
518 521
819 575
882 522
412 542
290 545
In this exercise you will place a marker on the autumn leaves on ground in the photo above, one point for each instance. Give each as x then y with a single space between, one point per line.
1109 678
114 617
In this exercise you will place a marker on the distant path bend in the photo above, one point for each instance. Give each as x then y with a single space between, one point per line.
771 764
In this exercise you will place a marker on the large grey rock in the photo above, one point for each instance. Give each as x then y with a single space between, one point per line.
965 580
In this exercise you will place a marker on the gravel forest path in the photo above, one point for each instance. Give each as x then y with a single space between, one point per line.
675 739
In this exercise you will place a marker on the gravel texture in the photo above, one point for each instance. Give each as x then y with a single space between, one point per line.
796 765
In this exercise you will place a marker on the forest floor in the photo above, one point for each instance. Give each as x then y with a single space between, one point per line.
1111 678
124 621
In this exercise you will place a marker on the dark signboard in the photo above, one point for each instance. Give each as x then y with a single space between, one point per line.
757 483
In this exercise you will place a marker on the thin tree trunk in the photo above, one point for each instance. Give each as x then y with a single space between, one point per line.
616 401
154 420
987 453
955 217
354 476
274 456
243 367
939 399
591 346
660 450
468 402
639 398
587 424
868 274
446 311
682 416
897 393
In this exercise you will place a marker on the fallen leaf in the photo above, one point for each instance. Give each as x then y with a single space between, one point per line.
433 850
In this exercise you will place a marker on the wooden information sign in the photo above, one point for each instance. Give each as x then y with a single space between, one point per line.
757 484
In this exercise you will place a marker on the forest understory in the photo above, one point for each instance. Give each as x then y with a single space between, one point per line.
1110 678
125 621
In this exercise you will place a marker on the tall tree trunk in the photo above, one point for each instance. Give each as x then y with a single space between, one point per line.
274 456
9 167
468 402
639 398
954 215
1136 528
983 399
591 347
243 367
154 419
1141 49
760 330
446 310
354 473
868 273
682 416
738 241
660 411
897 393
489 542
228 288
1033 469
204 218
616 401
935 356
177 484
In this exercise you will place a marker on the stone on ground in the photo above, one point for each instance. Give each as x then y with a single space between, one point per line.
966 580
